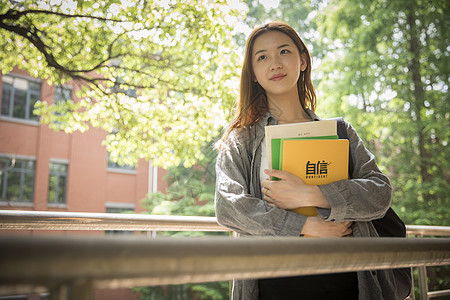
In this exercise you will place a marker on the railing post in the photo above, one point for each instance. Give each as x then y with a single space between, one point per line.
423 283
412 295
232 234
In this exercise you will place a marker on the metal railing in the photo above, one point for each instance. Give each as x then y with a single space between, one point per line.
419 232
46 220
74 266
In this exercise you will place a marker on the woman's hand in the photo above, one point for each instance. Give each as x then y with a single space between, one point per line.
291 192
318 227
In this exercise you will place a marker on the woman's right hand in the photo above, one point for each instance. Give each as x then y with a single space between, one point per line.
317 227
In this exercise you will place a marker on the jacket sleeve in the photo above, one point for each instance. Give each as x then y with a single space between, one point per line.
365 197
237 207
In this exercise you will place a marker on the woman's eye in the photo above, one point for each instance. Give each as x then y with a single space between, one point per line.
284 51
261 57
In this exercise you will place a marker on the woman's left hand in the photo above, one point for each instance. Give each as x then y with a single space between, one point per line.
291 192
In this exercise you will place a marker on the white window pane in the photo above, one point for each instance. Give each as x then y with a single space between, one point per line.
21 84
8 79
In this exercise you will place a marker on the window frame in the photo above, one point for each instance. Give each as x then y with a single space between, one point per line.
115 167
58 176
118 208
22 171
28 109
62 89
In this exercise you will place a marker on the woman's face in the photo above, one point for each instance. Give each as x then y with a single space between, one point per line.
277 63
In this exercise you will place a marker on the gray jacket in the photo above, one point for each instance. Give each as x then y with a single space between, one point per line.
239 206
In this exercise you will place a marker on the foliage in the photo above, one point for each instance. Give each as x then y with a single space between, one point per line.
386 70
205 291
156 74
298 14
191 193
383 65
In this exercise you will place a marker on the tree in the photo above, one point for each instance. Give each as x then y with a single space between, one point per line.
298 14
156 75
388 70
384 66
204 291
190 193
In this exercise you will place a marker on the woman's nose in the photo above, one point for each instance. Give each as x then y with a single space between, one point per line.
276 64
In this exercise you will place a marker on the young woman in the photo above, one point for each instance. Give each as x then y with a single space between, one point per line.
276 88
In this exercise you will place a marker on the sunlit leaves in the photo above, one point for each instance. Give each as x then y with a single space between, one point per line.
389 75
156 73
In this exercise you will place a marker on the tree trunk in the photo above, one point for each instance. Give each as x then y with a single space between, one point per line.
418 95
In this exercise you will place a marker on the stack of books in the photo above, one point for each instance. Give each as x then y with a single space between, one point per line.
309 150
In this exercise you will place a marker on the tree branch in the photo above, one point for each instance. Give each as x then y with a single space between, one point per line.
13 14
31 33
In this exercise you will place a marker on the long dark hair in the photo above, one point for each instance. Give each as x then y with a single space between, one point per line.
253 103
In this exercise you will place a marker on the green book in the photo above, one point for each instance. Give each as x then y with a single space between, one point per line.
325 129
277 147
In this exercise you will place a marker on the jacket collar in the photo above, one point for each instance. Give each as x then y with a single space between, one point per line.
269 119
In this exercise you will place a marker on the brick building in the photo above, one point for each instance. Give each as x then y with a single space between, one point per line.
45 170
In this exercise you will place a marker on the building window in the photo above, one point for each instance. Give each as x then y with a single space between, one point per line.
129 91
16 179
114 165
61 96
62 93
57 186
19 96
119 208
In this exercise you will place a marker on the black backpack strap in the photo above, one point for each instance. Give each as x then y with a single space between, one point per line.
342 134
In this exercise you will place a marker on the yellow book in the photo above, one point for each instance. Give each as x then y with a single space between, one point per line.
304 130
316 162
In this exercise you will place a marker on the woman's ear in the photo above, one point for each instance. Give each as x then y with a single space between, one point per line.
303 62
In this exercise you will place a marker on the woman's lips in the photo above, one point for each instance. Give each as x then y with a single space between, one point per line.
277 77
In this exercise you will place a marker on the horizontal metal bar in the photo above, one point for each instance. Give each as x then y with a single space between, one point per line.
436 294
22 291
47 220
428 230
114 262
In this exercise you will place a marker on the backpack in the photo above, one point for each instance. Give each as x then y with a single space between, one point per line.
388 226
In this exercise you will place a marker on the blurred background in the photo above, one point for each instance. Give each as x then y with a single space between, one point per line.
115 106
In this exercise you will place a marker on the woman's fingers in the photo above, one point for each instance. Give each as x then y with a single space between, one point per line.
276 173
316 226
267 198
